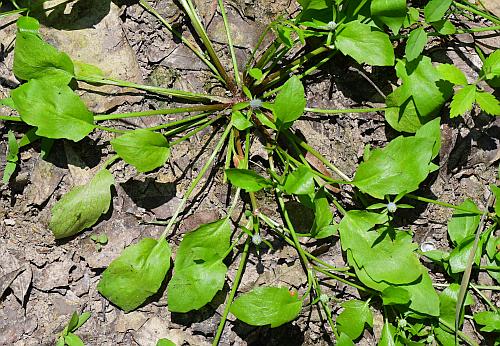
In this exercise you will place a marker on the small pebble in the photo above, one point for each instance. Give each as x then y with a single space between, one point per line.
427 246
9 222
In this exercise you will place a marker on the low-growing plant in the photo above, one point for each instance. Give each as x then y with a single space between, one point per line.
262 100
68 336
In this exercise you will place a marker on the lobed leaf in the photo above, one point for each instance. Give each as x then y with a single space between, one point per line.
463 101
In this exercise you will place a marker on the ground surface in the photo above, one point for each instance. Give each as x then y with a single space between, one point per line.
59 278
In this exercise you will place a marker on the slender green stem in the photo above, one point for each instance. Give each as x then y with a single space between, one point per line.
198 27
254 50
10 118
183 128
109 129
443 204
195 131
230 43
196 180
344 111
479 287
9 13
479 293
163 111
492 268
196 50
461 334
286 70
336 277
234 289
316 154
471 9
157 90
175 123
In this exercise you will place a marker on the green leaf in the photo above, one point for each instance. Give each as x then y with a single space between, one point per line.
452 74
56 110
419 82
388 337
316 11
416 43
460 255
463 100
143 149
36 59
265 120
399 167
419 98
199 272
365 44
136 274
444 27
431 131
29 24
491 69
496 191
488 103
247 179
82 319
489 319
73 340
323 217
84 70
352 320
300 182
267 305
395 295
73 322
60 341
435 10
448 302
11 158
82 206
240 121
344 340
463 224
255 73
165 342
390 12
290 102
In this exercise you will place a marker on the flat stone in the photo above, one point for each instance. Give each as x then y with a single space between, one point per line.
45 178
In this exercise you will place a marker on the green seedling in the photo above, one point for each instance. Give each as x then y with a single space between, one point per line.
67 336
263 100
99 240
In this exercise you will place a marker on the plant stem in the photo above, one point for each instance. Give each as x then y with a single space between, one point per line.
471 9
479 287
183 128
344 111
183 121
10 118
195 131
335 277
443 204
479 293
198 27
461 334
195 182
109 129
232 294
9 13
164 111
230 43
196 50
186 95
316 154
